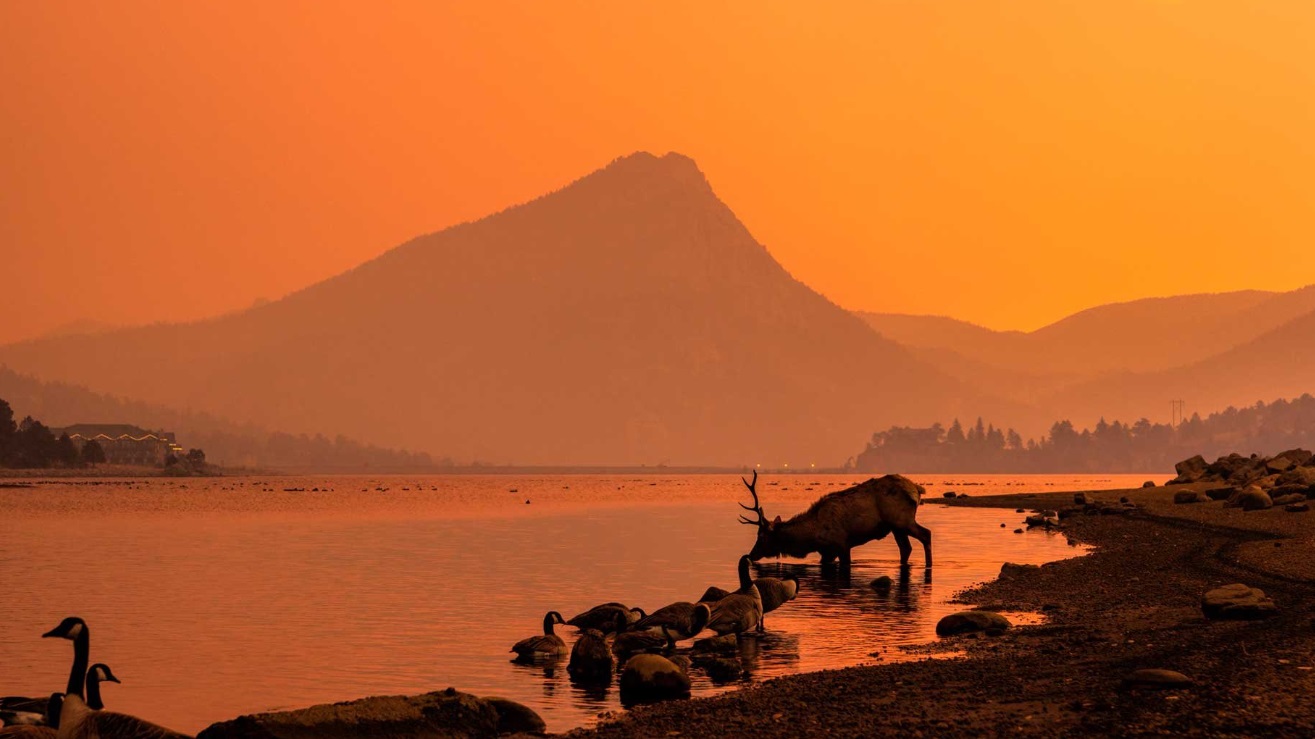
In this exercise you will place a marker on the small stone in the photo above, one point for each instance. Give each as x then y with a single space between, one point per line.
948 494
1157 680
1297 507
1080 498
1148 484
1018 531
1237 602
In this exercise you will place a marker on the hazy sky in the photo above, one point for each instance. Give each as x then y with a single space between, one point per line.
1003 162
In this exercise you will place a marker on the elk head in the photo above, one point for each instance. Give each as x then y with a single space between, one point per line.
767 544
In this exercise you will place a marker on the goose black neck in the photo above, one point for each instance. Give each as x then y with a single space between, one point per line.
81 655
745 580
93 692
548 624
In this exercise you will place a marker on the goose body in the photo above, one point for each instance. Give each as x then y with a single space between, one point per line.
604 617
635 642
542 646
775 591
683 619
740 611
590 658
78 720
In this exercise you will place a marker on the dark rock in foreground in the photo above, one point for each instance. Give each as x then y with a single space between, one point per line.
448 714
652 677
1237 602
965 622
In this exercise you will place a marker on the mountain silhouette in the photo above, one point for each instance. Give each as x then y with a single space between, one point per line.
1114 342
628 318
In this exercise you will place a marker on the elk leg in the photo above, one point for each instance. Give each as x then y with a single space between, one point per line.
844 559
905 548
922 534
828 559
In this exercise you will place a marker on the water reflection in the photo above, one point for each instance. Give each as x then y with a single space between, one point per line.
240 595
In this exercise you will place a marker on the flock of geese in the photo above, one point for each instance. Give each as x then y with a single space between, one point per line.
636 632
79 713
74 714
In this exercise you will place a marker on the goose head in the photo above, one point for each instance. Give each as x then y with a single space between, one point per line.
640 617
551 618
70 628
102 672
53 707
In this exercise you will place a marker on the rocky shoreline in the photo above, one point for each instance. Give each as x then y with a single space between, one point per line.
1134 603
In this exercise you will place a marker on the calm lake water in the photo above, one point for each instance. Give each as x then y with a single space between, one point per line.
214 598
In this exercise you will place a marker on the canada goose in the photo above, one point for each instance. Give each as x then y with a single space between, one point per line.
738 612
684 619
77 720
99 672
43 725
591 661
542 646
775 591
634 642
604 617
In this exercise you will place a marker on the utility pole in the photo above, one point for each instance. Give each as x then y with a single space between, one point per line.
1176 413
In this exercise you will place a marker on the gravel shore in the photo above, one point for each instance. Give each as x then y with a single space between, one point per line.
1133 603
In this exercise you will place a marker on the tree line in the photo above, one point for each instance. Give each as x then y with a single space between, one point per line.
1142 446
30 444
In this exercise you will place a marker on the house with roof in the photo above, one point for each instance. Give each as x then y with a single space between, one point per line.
124 443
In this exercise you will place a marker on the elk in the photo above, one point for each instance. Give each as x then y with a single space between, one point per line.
842 520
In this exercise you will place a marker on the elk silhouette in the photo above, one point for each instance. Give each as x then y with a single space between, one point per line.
842 520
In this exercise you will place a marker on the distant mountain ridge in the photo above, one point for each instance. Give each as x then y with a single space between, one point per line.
1128 360
626 318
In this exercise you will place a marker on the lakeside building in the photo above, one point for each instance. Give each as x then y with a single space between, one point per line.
124 443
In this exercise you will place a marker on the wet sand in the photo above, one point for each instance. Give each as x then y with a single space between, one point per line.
1133 603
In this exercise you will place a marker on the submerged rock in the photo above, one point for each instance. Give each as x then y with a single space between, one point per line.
967 622
1156 680
719 669
717 644
883 584
448 713
1237 602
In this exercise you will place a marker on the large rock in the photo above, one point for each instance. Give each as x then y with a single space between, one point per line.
1279 464
448 714
652 677
1187 496
1298 476
1189 470
1221 493
1237 602
726 644
965 622
1251 498
515 718
1290 498
1298 457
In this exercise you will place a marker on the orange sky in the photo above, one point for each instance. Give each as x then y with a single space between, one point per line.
1003 162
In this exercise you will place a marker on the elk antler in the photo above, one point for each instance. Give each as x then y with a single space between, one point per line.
756 507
